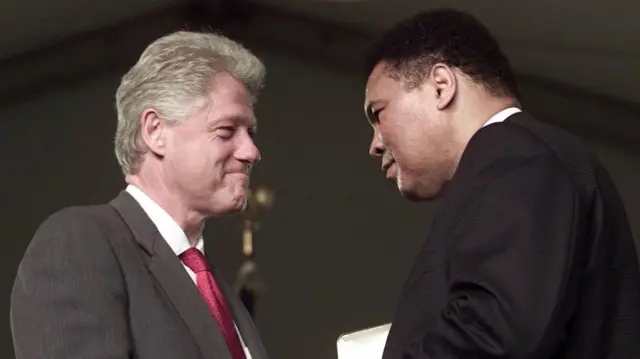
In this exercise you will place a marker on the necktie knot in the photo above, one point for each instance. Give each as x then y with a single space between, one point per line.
195 260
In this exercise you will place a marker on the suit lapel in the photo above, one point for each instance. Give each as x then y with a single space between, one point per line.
168 270
246 327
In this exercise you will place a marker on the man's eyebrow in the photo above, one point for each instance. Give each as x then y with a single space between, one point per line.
237 119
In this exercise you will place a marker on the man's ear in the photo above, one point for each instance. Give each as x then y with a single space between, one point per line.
444 80
153 131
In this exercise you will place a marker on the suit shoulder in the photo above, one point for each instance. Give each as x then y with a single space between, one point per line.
502 140
78 228
523 134
523 130
70 253
78 219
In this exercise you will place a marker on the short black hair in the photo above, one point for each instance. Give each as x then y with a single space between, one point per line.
448 36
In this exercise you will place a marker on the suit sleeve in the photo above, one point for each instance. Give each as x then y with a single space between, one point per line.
68 299
510 263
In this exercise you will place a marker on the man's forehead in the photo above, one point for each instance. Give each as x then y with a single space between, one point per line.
370 89
366 98
377 83
375 89
240 115
373 92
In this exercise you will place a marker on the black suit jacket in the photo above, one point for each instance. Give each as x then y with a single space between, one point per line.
100 282
529 256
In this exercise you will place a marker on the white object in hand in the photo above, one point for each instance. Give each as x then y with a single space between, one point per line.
366 343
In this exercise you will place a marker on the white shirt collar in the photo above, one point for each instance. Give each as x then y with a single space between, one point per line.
167 226
502 115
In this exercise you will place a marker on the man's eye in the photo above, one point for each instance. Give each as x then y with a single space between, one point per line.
225 132
376 114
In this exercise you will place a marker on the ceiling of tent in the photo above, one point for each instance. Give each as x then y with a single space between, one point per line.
587 44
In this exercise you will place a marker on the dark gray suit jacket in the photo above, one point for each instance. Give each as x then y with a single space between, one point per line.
99 282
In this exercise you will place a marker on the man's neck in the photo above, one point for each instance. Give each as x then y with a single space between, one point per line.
476 115
191 222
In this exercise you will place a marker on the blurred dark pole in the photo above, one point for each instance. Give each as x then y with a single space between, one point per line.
249 283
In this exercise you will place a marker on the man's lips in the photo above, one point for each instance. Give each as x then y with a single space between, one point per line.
389 170
385 166
241 175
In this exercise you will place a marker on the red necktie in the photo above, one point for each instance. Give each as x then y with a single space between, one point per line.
196 261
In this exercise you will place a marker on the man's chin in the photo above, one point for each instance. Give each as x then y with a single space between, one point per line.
231 203
419 194
414 197
239 202
229 209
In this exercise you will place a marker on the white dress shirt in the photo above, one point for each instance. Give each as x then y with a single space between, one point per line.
502 115
172 233
167 226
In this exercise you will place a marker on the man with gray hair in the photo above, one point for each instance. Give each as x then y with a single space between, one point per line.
129 279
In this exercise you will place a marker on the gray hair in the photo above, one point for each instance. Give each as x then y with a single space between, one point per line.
173 75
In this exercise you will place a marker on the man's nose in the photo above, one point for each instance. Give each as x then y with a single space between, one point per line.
376 149
249 152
